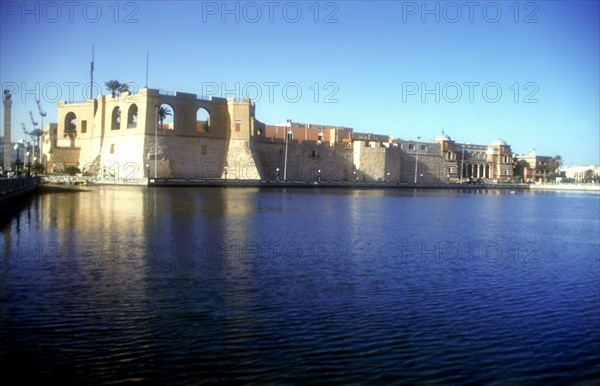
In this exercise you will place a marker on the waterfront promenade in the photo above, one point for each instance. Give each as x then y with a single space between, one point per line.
19 186
11 188
218 182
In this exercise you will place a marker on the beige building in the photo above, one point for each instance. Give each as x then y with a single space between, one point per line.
534 168
475 162
178 135
126 136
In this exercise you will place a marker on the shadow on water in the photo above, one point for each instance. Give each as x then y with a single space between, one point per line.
13 206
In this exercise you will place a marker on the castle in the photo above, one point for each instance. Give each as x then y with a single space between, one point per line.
178 135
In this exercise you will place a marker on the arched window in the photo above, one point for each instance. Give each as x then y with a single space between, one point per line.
71 127
132 117
116 119
165 117
202 120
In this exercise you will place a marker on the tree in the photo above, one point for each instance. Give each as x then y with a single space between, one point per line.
554 166
163 112
589 176
72 170
556 163
35 136
37 168
123 87
114 86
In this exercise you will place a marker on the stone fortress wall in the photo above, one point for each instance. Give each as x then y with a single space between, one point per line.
124 136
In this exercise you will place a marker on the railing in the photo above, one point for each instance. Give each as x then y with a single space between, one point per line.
11 186
76 180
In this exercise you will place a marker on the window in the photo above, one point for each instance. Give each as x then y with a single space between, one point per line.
165 117
411 146
112 148
132 117
83 127
70 129
238 125
423 147
202 120
116 119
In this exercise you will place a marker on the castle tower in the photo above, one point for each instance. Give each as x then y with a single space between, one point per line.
7 119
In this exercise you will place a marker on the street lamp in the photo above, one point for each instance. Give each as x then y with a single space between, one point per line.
277 174
16 147
388 177
319 175
225 167
156 142
417 158
287 135
26 160
462 162
148 170
40 142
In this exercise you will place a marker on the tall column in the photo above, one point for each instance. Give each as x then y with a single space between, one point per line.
7 129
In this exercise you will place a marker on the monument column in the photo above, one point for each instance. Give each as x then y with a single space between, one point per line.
7 119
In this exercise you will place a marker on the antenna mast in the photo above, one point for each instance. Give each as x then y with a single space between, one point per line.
92 75
147 59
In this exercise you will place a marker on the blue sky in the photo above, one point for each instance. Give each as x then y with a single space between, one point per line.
527 72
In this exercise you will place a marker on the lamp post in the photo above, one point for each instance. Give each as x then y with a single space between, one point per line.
417 158
289 131
225 167
148 170
319 175
277 174
388 177
462 162
16 147
40 142
156 142
26 160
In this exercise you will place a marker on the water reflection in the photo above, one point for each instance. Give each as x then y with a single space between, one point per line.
285 286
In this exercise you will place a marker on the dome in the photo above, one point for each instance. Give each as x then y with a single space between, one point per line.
498 142
442 137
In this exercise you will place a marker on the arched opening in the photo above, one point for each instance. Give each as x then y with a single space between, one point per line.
71 127
116 119
202 120
165 117
132 117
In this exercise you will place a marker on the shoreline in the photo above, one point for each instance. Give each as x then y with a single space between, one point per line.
70 183
327 184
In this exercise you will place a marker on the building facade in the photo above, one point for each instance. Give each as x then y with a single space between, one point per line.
178 135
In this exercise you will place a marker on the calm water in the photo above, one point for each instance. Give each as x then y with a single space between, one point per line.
192 285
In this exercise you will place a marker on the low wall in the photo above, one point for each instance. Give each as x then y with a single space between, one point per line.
565 187
11 188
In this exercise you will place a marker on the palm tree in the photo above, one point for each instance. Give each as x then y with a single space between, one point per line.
554 166
163 112
122 88
35 136
113 86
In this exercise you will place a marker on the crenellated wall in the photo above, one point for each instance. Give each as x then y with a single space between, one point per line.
126 136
